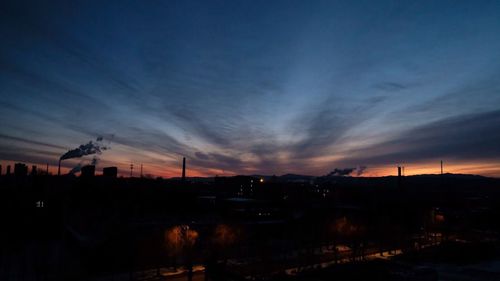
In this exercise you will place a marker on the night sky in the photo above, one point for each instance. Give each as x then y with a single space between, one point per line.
253 87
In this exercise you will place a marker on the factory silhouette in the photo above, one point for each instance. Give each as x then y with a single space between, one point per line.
258 227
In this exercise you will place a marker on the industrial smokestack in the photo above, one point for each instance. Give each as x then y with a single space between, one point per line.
399 176
183 168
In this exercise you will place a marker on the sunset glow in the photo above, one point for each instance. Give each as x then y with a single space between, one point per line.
252 89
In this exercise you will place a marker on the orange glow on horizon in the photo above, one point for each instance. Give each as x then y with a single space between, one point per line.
174 169
474 168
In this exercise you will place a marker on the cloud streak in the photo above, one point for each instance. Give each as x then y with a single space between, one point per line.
253 88
469 137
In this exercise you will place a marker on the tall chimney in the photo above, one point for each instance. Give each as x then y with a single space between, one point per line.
183 168
399 176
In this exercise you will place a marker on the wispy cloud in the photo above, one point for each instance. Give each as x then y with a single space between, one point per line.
468 137
269 88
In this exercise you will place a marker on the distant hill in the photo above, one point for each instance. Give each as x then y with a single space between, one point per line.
414 181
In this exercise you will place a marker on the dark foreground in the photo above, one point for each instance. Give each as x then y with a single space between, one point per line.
241 228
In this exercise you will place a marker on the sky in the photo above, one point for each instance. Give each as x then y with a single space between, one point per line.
253 87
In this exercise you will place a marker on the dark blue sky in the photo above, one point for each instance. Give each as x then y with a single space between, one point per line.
253 86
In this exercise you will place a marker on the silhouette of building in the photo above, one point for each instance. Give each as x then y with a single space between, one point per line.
241 186
20 170
0 170
33 170
8 171
87 171
111 172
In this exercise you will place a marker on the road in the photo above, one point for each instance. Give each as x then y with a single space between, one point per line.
197 276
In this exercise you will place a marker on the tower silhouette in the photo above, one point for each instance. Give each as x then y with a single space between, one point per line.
183 168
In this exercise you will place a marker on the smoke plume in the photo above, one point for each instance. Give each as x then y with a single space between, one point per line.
94 161
75 169
347 171
341 172
360 170
85 149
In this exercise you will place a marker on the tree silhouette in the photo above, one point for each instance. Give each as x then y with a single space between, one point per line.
180 241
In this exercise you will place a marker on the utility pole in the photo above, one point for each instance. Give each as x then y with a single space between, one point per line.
141 170
441 167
